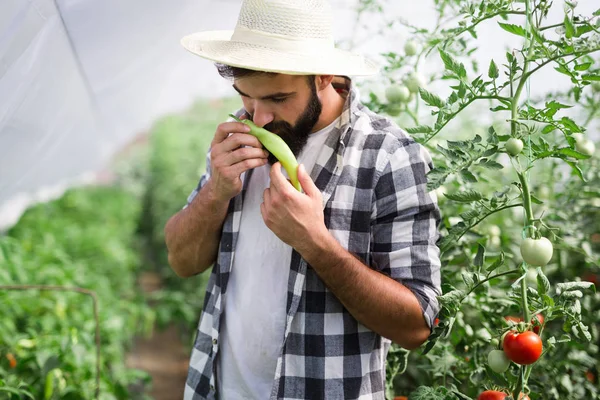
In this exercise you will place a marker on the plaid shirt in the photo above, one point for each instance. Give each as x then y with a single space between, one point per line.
372 176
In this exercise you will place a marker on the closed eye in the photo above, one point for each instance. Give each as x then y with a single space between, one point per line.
279 99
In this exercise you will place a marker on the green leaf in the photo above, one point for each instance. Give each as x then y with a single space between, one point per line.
596 13
467 279
452 65
568 123
455 296
591 77
583 67
569 28
543 284
429 393
491 165
514 29
585 331
536 200
576 169
467 196
493 70
570 286
468 176
469 215
548 128
430 98
419 129
480 256
567 151
498 263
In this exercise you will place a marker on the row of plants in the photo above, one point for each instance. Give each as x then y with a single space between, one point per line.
70 307
69 270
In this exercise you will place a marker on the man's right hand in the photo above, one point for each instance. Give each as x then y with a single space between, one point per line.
233 152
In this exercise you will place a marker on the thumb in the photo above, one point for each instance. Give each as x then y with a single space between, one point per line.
306 182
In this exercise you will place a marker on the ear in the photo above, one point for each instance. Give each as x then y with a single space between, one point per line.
323 81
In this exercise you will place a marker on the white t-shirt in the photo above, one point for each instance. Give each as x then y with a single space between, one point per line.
253 322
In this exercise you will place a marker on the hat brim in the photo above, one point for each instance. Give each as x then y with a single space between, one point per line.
217 46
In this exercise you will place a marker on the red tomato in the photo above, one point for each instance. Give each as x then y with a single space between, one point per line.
437 321
12 361
492 395
400 398
522 348
496 395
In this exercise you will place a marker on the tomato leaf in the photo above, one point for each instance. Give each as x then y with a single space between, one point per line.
514 29
583 66
543 284
569 28
430 98
419 129
467 196
452 65
570 286
591 77
496 264
493 70
479 257
468 176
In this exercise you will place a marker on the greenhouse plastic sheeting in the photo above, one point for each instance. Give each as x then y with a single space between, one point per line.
80 78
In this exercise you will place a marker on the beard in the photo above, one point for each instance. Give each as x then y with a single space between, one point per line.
296 136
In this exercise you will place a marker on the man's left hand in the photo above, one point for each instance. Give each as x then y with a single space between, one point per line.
296 218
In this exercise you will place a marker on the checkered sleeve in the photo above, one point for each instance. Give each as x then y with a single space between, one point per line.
405 227
203 179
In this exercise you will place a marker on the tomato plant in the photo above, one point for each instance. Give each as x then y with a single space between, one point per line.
519 219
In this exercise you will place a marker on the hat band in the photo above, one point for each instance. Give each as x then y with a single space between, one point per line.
281 42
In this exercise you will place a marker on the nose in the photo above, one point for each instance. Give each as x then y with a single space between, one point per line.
262 116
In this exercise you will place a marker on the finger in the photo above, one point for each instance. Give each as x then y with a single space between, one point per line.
306 182
243 166
243 153
237 140
267 197
224 129
278 181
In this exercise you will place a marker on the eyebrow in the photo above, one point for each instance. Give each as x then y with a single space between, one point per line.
268 97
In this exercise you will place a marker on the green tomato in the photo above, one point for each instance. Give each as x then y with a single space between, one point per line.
596 86
415 81
397 94
494 230
536 252
577 136
498 361
411 48
513 146
393 109
585 146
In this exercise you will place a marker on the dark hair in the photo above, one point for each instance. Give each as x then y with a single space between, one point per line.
229 72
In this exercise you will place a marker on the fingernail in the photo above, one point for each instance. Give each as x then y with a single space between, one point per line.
246 128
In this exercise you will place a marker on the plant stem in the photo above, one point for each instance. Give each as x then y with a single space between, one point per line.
512 271
526 199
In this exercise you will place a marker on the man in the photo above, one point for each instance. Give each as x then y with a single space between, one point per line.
307 288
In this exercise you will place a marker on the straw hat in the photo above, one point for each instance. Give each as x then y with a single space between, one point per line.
287 36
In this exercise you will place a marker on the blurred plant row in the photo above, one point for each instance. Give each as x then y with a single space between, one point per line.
108 240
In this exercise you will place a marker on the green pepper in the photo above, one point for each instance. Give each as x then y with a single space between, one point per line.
277 147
